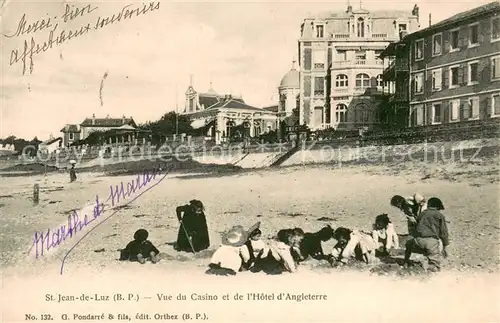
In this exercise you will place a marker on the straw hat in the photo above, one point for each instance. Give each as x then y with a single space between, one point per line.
237 235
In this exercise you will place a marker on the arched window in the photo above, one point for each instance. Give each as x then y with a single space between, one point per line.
361 27
380 81
362 80
341 80
341 113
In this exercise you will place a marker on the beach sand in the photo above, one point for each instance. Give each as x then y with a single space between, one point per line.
309 197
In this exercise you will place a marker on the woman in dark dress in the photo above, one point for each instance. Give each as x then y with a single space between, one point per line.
193 230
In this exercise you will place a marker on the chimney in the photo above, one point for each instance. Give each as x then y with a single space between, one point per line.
430 20
349 9
123 119
93 119
107 116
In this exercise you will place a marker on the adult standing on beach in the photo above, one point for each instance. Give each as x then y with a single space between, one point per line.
72 172
193 231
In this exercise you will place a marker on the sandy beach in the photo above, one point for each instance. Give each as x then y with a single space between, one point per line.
309 197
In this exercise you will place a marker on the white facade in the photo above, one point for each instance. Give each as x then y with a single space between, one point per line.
341 73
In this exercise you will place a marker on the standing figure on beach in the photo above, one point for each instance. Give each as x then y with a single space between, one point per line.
193 231
140 249
431 236
411 207
72 171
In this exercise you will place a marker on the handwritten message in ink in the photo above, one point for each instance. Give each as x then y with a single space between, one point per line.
48 32
46 240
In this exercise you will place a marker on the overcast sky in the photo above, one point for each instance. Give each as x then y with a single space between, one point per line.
246 46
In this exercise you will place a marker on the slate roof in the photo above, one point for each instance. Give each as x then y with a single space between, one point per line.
207 99
107 122
459 17
70 128
233 104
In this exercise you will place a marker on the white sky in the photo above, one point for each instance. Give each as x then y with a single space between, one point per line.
246 46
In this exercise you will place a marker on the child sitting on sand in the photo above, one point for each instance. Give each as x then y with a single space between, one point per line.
258 248
353 244
311 244
232 254
384 234
140 249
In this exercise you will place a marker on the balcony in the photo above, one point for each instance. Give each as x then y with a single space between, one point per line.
374 36
356 63
395 66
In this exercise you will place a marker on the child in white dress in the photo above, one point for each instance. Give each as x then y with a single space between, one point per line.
384 234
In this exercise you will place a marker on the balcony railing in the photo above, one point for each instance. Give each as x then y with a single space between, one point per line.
319 66
357 62
347 35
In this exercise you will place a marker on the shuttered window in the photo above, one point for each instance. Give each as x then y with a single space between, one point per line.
307 86
319 86
454 108
307 59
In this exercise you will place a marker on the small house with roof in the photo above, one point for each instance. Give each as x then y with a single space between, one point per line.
123 128
226 116
51 145
71 134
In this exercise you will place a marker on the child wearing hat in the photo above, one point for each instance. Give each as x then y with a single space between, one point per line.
257 248
431 237
231 255
140 249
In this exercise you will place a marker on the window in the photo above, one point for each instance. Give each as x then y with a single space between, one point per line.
71 136
380 81
341 55
341 80
191 104
454 109
307 59
417 115
496 104
419 83
473 73
437 41
474 35
495 68
437 79
362 80
319 31
360 55
436 113
341 113
495 29
361 27
318 57
471 110
454 40
419 49
307 86
401 27
454 76
319 86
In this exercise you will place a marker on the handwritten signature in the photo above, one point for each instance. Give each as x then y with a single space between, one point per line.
44 241
32 48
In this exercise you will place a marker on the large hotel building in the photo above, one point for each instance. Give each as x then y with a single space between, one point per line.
340 71
448 72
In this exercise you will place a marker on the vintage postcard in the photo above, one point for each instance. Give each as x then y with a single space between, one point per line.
249 161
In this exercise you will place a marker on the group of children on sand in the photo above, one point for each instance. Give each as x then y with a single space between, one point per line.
246 250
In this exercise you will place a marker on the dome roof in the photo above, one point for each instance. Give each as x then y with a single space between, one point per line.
291 79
